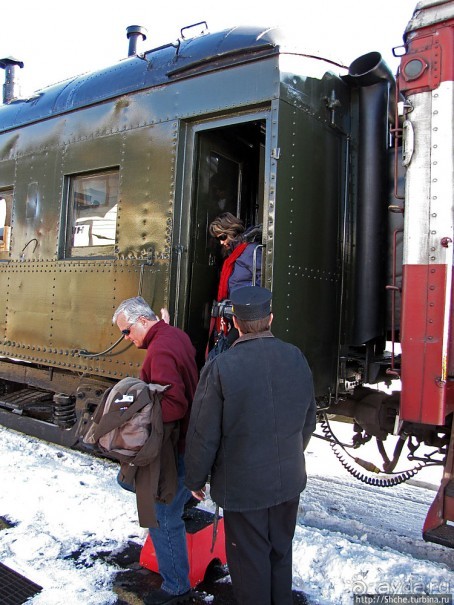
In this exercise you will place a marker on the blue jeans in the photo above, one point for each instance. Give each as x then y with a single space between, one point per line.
169 539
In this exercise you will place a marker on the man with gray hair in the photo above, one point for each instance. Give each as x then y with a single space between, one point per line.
169 360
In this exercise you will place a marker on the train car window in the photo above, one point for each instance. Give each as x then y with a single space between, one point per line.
92 214
6 204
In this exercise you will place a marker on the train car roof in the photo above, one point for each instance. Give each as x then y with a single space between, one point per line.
430 12
181 59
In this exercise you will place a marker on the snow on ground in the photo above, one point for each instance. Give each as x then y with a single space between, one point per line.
351 537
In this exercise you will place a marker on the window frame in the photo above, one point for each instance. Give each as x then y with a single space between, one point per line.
69 251
7 191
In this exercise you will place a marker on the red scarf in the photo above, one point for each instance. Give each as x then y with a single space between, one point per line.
227 270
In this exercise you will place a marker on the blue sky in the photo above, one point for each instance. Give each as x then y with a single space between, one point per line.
91 34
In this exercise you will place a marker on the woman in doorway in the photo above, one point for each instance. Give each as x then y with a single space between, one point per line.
239 248
242 265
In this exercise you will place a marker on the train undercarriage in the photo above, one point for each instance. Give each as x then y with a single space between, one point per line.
375 417
48 403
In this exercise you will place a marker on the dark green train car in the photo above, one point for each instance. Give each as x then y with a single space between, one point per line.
108 184
109 181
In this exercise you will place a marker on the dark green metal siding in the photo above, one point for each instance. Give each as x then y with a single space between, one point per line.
307 247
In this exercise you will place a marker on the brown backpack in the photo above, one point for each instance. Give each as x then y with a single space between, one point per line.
122 422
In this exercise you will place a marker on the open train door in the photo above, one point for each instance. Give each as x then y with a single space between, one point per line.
226 175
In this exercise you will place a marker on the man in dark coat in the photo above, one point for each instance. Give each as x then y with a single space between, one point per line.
169 360
251 420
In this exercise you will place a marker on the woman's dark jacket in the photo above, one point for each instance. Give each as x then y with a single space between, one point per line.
243 270
252 417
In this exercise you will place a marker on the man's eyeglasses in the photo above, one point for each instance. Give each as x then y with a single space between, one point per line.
127 331
222 237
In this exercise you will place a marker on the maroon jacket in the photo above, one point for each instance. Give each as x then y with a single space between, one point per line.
170 359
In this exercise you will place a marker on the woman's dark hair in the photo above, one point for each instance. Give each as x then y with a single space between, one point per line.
226 224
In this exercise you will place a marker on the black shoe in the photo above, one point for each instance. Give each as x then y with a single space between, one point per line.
162 597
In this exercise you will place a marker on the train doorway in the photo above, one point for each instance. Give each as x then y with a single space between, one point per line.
228 176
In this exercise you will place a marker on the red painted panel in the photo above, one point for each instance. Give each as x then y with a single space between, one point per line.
423 397
434 47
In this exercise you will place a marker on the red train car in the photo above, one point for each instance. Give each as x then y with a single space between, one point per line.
425 81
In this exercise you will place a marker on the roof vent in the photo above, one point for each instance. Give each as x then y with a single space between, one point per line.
134 32
11 89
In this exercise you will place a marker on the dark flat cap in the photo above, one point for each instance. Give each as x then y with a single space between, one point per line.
251 303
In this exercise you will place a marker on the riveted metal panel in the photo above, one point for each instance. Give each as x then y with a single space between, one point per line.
425 330
36 208
56 310
92 154
147 192
8 150
271 167
429 181
307 247
28 303
428 256
4 288
33 139
319 91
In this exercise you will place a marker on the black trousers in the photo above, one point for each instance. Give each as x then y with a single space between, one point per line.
259 553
